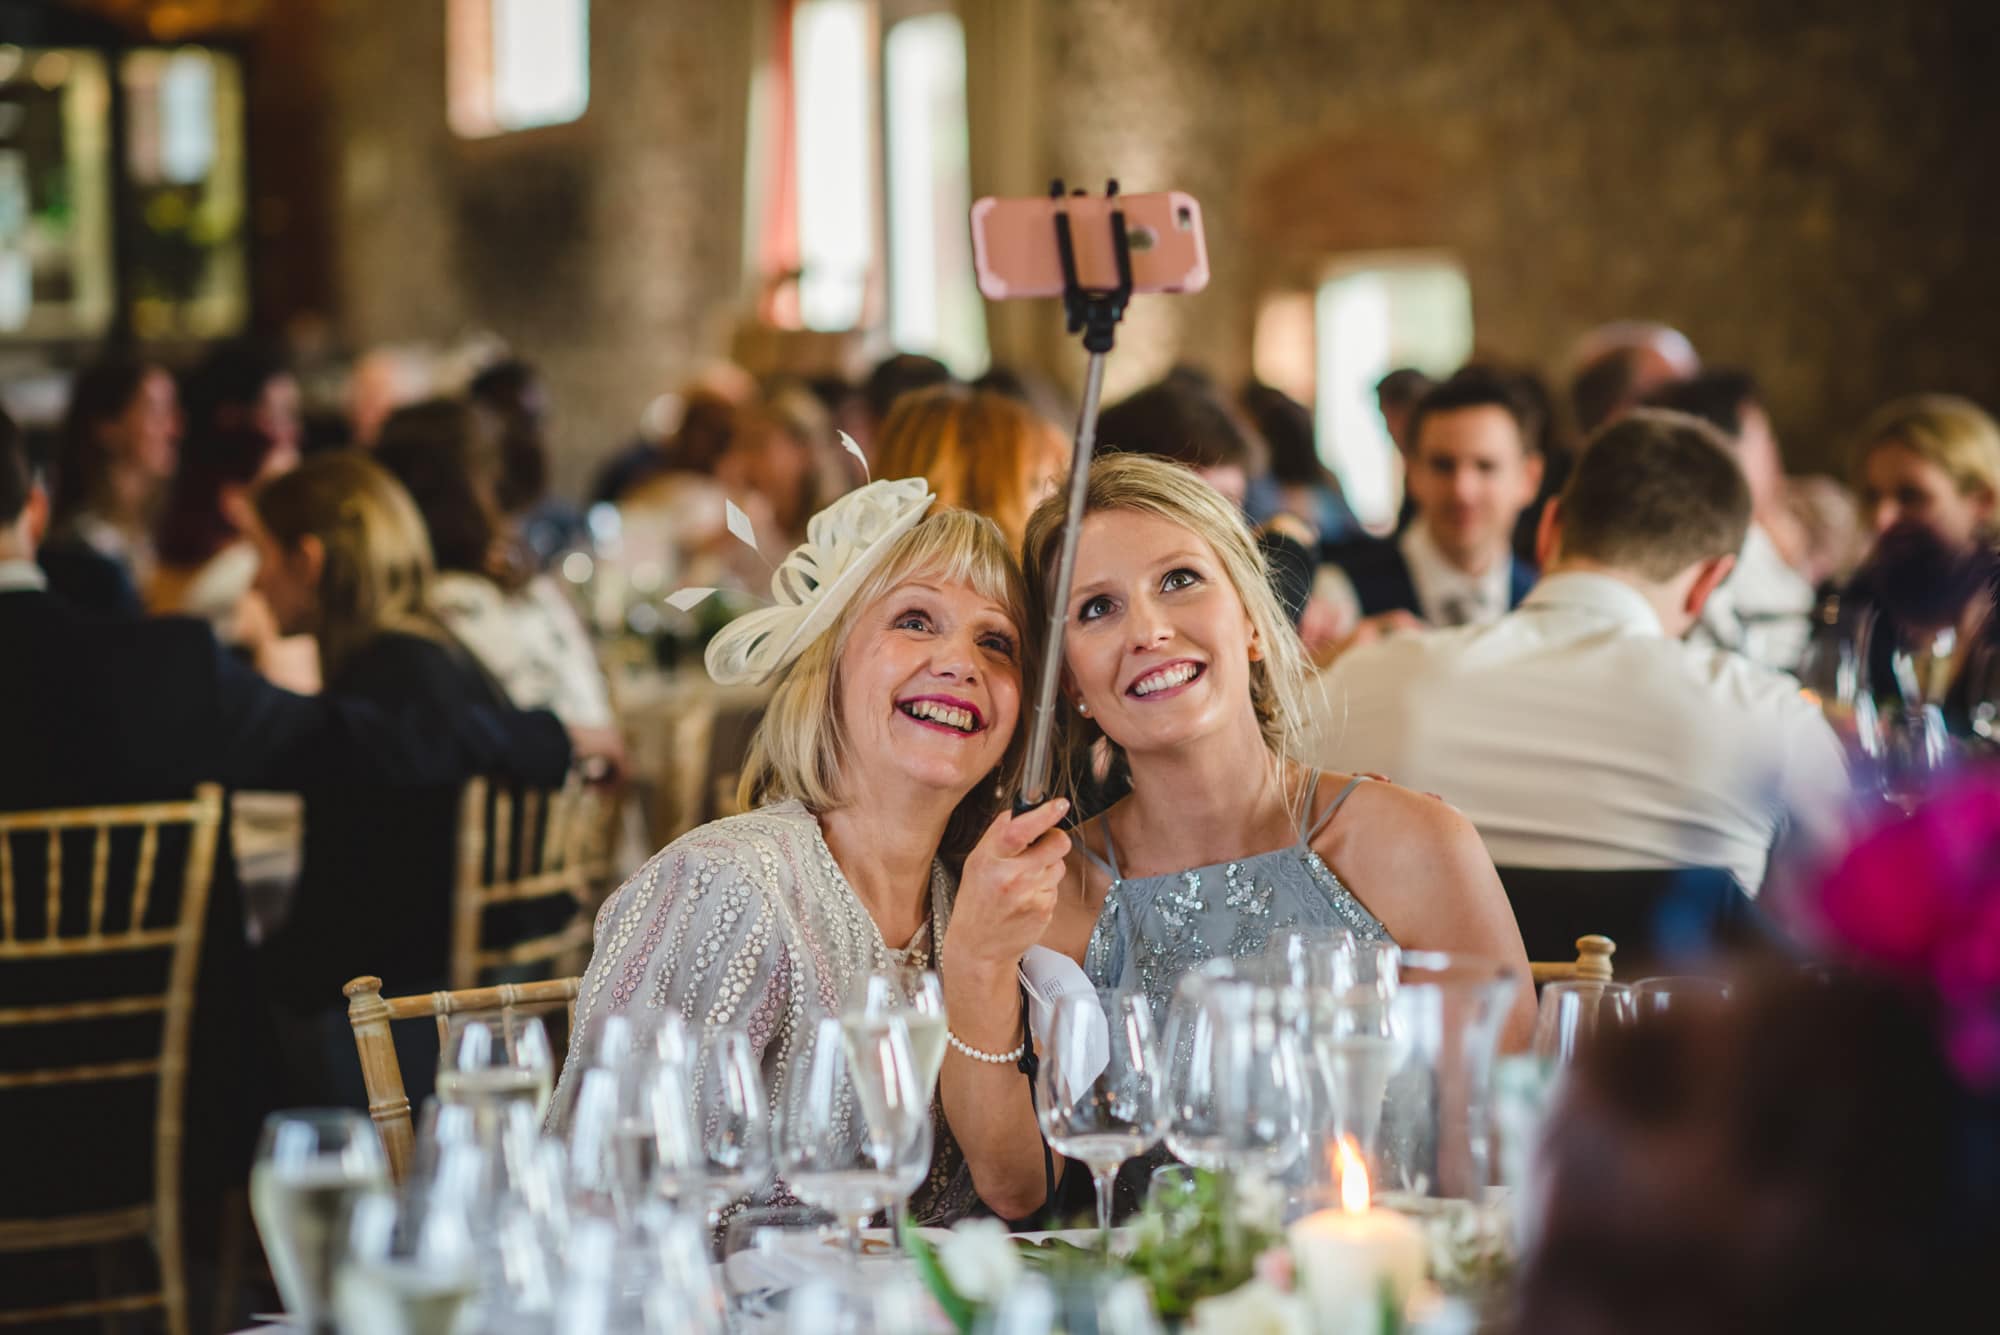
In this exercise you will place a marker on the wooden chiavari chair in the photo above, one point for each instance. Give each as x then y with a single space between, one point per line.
1591 965
36 932
543 850
371 1014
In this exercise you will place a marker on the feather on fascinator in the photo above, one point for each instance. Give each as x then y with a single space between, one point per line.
844 542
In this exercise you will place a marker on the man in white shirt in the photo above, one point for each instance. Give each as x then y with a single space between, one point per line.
1580 731
1764 609
1474 466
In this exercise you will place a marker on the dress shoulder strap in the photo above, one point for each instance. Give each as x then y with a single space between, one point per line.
1326 817
1109 862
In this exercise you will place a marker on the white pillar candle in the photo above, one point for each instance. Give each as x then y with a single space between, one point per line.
1349 1260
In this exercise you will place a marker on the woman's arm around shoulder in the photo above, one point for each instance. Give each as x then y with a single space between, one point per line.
1421 868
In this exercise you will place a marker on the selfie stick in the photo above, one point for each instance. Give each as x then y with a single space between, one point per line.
1095 312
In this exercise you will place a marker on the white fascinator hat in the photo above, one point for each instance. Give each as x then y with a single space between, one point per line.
844 543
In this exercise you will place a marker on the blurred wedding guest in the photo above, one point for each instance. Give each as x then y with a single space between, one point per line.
343 557
109 709
1930 463
120 442
1730 1170
1306 486
547 524
892 378
245 383
1829 523
1617 365
451 458
1764 609
782 465
382 380
1396 397
682 432
1475 466
207 563
979 450
1581 731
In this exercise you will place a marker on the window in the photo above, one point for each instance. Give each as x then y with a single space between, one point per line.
515 64
184 168
1373 314
56 276
827 188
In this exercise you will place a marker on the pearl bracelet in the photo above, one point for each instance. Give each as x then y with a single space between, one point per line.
990 1058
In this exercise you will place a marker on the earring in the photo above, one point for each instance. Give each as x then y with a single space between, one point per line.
1083 709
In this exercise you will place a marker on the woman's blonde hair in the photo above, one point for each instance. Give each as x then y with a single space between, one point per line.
799 745
1145 485
1955 434
378 568
976 448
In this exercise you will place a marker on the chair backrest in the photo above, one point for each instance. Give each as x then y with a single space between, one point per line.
1660 917
61 901
371 1014
1591 965
542 857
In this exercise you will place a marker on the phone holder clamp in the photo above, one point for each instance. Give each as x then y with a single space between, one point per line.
1094 312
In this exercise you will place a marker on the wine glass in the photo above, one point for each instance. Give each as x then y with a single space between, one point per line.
487 1066
711 1125
1098 1089
917 997
1573 1013
854 1136
1237 1093
312 1167
412 1260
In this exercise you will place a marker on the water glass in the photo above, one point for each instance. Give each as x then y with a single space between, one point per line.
313 1166
1077 1302
1098 1090
1448 1010
1573 1014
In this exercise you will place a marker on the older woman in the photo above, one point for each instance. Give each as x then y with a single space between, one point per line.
897 645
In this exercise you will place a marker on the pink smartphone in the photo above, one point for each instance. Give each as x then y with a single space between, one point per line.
1014 244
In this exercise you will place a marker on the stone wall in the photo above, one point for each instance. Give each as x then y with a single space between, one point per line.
1807 187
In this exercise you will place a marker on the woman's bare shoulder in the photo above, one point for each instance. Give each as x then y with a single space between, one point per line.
1385 830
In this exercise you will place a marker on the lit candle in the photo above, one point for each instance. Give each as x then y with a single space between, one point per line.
1348 1260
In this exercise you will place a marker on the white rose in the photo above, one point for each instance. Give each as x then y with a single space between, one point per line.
979 1260
1254 1309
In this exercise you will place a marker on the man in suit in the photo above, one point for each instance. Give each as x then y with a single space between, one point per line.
102 710
1474 466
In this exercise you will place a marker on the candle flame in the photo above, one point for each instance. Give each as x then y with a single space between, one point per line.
1353 1174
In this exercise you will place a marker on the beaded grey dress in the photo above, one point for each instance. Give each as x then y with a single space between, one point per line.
748 921
1152 929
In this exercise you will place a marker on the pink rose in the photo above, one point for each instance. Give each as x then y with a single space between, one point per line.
1274 1267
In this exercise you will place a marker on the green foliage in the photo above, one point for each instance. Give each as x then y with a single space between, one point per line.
1194 1244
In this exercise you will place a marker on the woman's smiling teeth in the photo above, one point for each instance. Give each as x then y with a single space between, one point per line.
937 711
1165 679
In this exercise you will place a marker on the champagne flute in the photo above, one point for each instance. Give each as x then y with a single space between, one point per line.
917 997
487 1066
1574 1012
312 1167
834 1149
1098 1089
